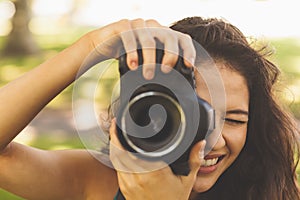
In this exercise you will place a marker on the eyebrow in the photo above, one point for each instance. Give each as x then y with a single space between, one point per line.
237 111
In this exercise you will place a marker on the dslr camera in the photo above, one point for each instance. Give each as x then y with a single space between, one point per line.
161 119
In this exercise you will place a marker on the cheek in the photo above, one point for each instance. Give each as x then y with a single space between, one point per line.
235 139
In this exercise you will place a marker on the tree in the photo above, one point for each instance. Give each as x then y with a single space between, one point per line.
20 41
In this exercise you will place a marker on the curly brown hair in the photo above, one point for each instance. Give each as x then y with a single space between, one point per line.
265 169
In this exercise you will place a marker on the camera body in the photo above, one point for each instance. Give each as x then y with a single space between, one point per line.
161 119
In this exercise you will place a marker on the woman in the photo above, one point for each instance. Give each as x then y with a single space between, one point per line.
256 173
252 159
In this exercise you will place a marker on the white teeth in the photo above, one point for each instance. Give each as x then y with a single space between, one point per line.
210 162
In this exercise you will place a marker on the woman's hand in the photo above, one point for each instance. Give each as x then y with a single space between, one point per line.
108 40
140 179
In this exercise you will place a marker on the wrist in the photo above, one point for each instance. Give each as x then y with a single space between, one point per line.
84 46
79 56
92 49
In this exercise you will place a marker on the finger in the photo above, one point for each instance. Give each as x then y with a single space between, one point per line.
115 148
170 54
116 142
129 43
189 52
117 152
113 134
171 45
148 45
196 157
120 158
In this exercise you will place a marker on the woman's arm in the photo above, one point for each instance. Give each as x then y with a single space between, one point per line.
64 174
38 174
22 99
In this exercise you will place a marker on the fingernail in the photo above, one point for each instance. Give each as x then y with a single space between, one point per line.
149 74
201 153
133 64
165 68
192 61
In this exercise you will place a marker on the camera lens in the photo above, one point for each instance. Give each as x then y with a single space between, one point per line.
153 123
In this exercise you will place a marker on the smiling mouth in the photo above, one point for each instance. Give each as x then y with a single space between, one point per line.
212 161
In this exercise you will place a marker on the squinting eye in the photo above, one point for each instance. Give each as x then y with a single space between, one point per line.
234 122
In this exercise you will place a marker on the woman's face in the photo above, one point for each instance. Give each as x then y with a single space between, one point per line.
233 134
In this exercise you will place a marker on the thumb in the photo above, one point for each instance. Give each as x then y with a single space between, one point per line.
196 157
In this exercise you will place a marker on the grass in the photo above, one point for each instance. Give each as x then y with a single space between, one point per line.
8 196
287 56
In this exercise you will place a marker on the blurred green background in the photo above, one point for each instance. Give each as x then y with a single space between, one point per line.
27 39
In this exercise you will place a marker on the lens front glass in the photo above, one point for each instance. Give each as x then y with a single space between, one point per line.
160 118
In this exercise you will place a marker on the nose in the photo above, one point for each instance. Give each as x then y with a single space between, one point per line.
220 142
215 142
